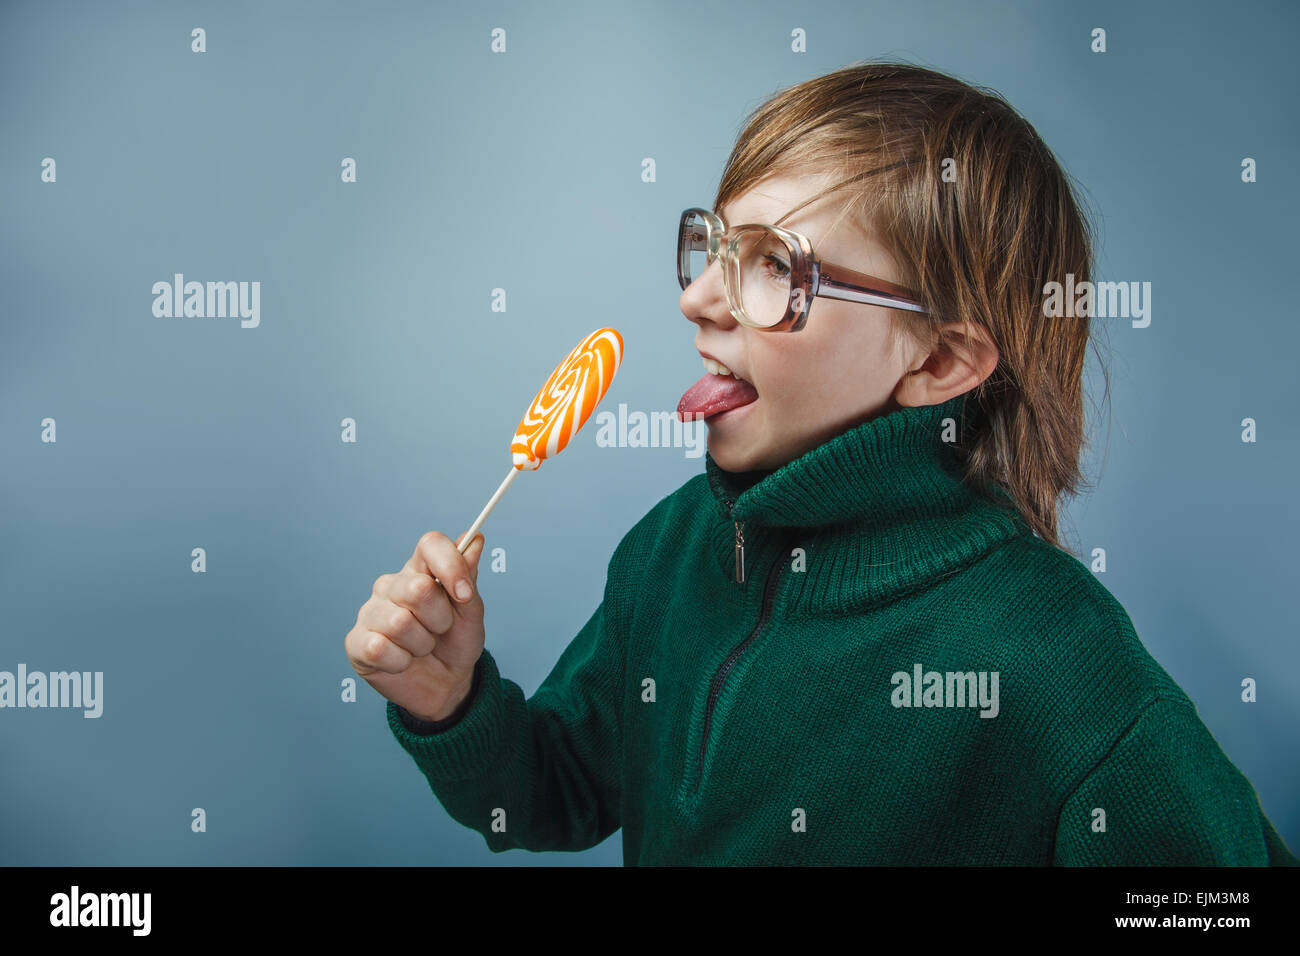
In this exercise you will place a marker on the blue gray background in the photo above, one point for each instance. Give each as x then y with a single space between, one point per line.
478 171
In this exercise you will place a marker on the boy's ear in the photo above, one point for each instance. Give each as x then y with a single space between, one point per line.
955 364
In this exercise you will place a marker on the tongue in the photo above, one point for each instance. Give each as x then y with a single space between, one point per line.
713 394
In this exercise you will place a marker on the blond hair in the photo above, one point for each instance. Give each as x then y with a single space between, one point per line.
979 217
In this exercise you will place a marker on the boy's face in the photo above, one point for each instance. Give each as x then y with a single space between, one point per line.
812 385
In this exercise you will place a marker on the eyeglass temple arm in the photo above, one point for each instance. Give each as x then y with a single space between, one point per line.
879 292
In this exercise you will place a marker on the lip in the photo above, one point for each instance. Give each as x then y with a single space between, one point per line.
704 354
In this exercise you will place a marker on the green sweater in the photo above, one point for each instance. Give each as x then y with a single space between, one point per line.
839 699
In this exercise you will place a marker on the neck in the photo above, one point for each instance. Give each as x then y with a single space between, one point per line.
878 510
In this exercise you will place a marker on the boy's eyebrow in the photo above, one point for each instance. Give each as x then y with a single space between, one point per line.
728 222
727 219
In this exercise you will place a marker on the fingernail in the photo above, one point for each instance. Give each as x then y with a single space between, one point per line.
463 590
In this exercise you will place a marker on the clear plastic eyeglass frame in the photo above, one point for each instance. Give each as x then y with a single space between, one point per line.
808 276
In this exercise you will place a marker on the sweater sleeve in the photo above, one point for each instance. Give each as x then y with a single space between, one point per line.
536 774
1170 797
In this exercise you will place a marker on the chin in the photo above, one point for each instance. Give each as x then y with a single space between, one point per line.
730 460
726 459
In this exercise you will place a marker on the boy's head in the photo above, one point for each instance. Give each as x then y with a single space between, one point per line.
916 178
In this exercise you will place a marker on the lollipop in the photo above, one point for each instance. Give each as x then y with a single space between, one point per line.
569 396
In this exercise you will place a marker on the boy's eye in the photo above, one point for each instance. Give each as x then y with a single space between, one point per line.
777 266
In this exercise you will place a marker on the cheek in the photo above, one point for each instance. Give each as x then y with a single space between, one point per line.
801 384
808 367
822 377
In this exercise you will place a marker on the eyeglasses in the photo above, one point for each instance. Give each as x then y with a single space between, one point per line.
770 274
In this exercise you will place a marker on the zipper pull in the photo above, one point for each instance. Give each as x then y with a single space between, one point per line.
740 553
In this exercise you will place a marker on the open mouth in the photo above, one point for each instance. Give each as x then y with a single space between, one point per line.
718 391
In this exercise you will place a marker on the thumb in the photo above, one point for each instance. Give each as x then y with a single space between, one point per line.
472 555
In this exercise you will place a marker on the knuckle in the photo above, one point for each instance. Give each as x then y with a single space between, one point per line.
387 656
372 648
367 610
398 619
443 619
420 588
431 540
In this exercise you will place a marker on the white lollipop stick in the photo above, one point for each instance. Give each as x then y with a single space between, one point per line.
492 503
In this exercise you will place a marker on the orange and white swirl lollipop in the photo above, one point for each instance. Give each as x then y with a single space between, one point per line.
569 396
562 406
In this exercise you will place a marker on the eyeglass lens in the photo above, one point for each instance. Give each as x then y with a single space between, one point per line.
758 278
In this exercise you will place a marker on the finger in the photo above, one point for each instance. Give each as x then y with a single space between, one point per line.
472 609
472 555
419 593
418 561
370 651
436 554
398 624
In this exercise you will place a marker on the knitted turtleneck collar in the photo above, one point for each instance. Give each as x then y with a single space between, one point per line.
879 510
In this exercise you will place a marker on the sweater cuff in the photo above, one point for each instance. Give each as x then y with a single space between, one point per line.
423 728
469 738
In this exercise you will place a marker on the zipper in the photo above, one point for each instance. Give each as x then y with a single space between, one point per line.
740 544
720 678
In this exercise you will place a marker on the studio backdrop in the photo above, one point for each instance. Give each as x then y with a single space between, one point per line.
410 212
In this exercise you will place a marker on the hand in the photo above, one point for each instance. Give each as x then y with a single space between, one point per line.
416 640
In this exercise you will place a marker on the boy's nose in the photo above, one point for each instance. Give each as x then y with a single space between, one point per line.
706 298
